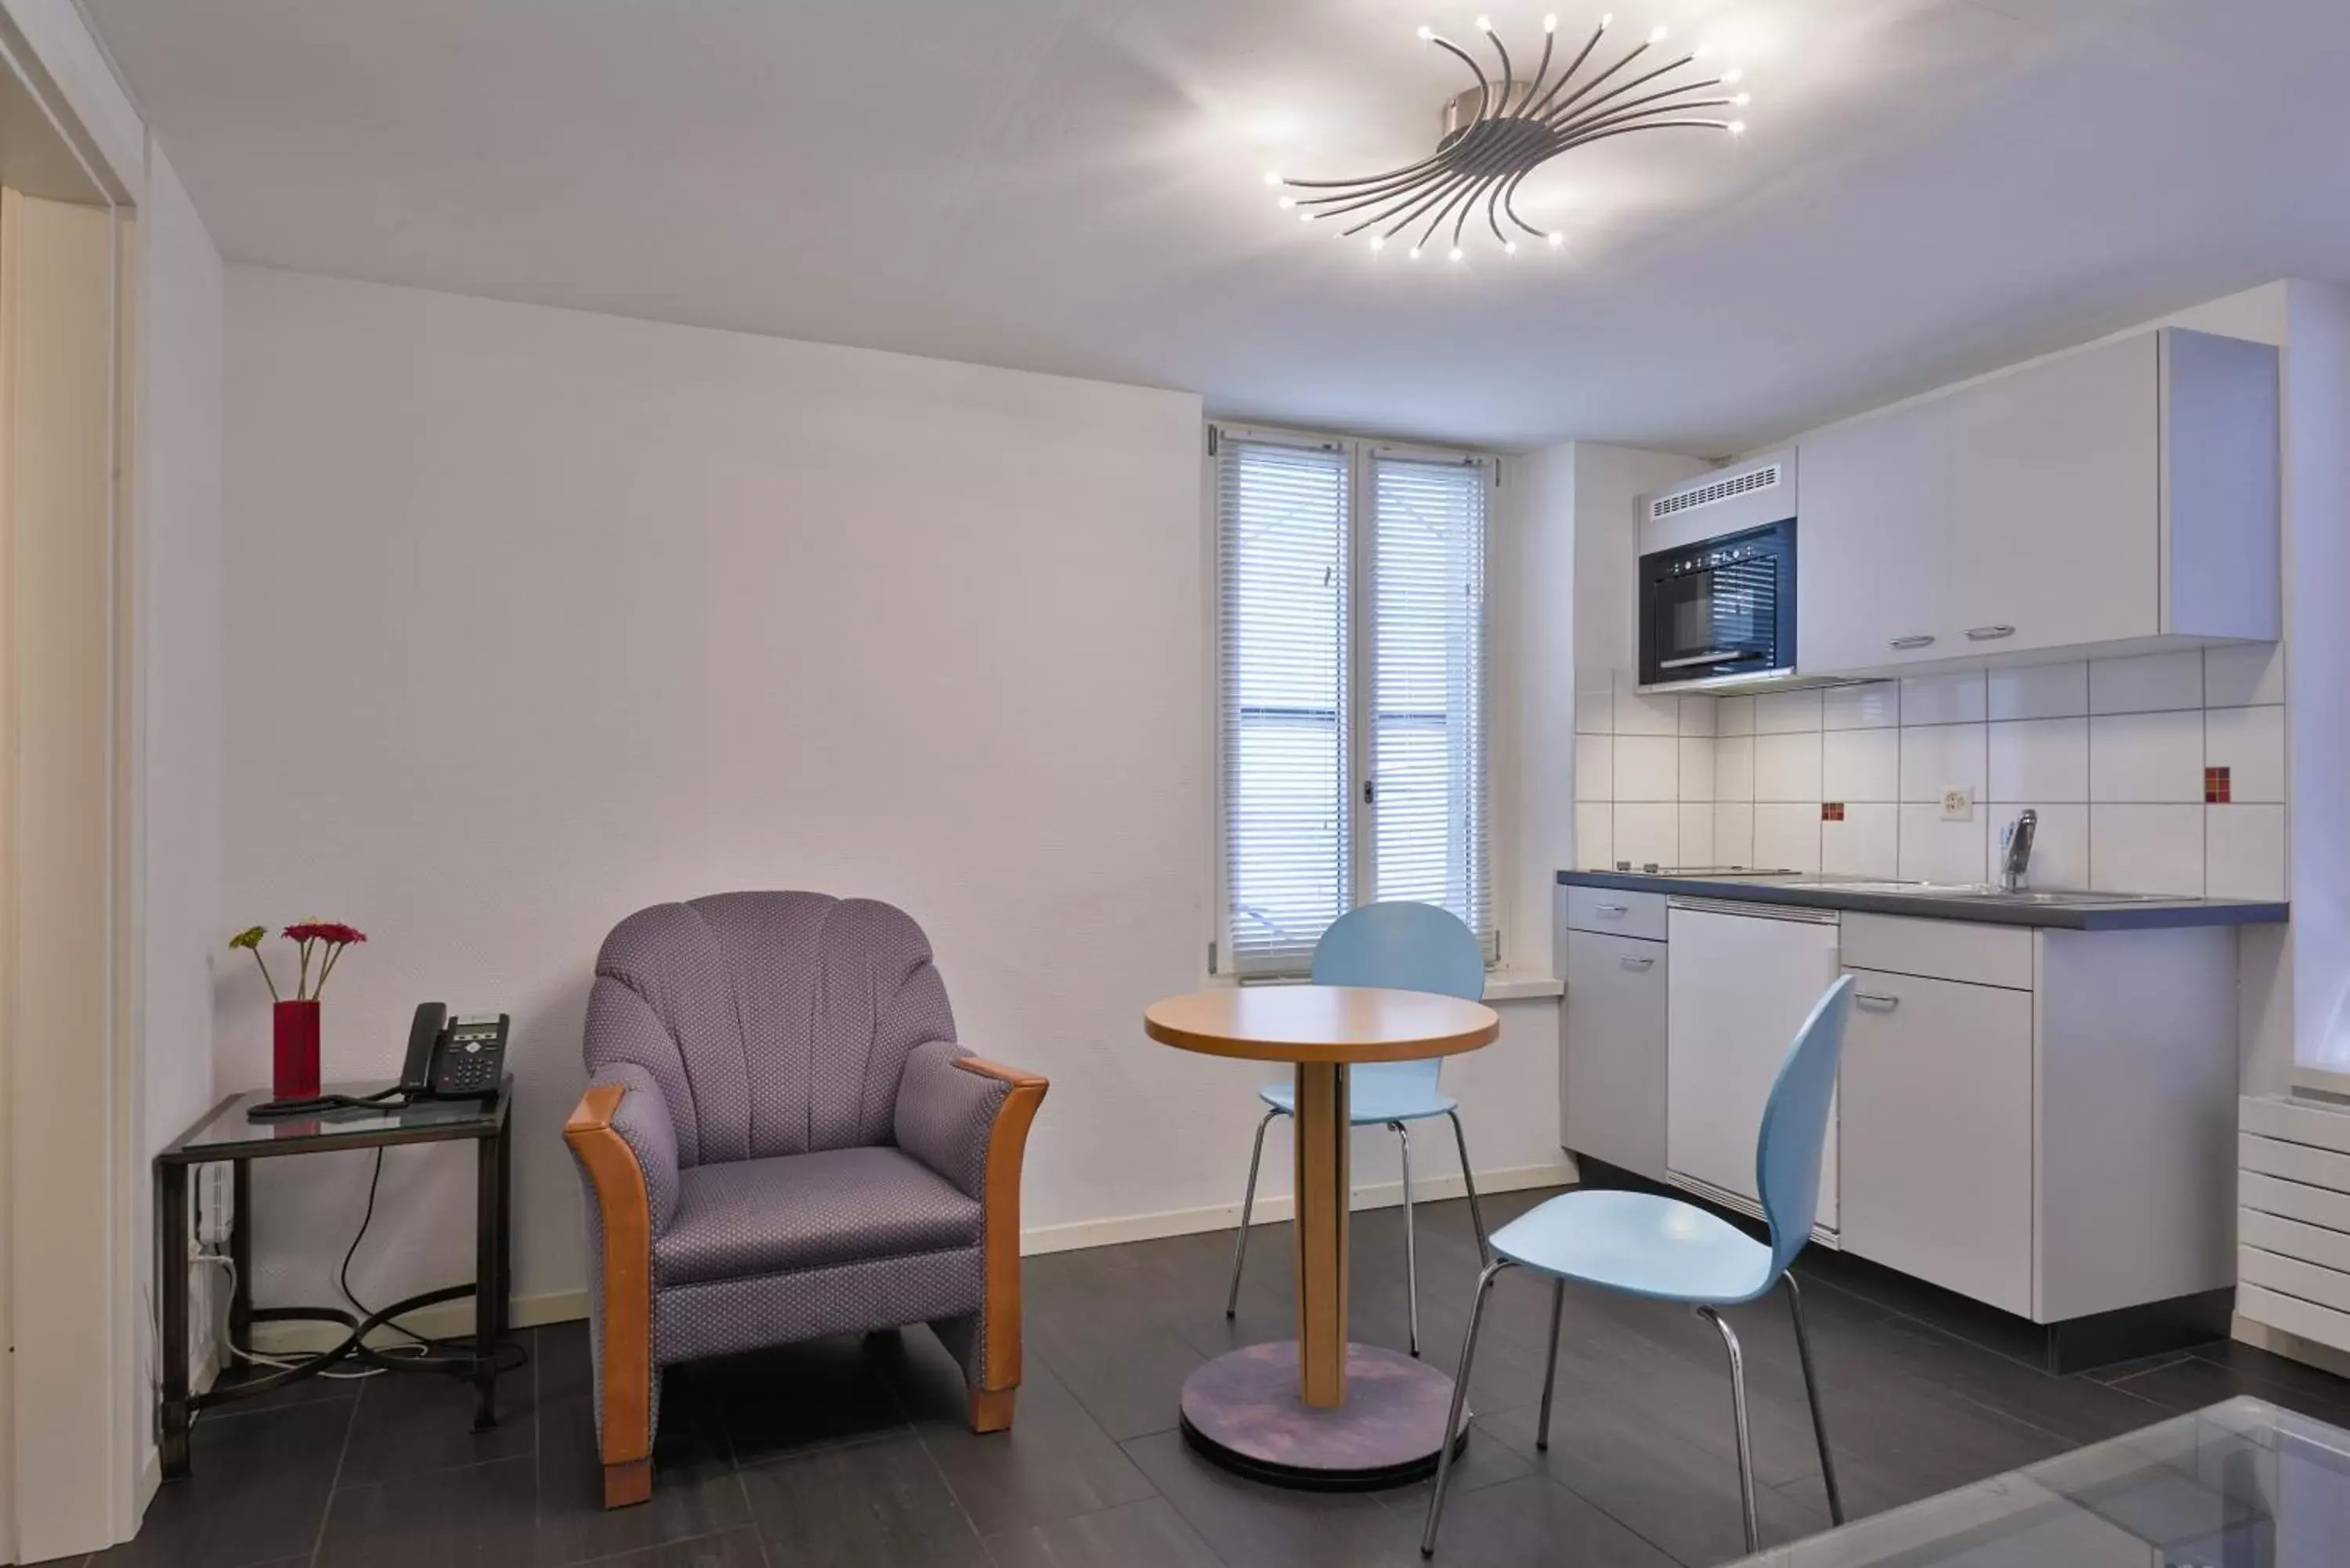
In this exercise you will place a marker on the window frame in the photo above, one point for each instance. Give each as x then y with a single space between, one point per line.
1360 454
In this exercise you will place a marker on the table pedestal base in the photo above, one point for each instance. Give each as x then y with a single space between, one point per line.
1243 1411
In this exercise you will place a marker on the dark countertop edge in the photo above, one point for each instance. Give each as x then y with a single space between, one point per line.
2129 917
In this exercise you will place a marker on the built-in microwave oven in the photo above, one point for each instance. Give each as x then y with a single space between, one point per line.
1717 579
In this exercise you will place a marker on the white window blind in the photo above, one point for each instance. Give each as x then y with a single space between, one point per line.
1351 676
1282 535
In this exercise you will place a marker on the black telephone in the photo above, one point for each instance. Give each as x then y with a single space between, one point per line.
459 1058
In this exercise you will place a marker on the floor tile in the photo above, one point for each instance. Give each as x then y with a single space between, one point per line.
737 1548
259 1490
408 1423
483 1514
1530 1523
796 1396
1145 1534
1251 1525
875 1504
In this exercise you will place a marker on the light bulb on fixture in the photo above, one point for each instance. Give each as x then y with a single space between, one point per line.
1733 75
1452 255
1607 21
1286 201
1415 252
1426 33
1307 217
1550 23
1555 238
1378 241
1659 35
1743 99
1509 247
1485 24
1736 128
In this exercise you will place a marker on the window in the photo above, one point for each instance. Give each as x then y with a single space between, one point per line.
1351 688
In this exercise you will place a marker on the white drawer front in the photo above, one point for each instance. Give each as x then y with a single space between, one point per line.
2293 1162
1618 914
2328 1288
2294 1315
1940 949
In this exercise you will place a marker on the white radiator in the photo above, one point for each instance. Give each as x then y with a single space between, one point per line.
2292 1217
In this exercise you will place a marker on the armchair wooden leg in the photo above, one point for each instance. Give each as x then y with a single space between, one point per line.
990 1409
629 1481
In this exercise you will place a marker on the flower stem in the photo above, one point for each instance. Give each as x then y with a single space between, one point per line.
265 975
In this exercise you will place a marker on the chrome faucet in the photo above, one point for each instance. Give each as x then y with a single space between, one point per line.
2015 850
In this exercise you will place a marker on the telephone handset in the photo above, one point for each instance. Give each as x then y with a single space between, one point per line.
460 1058
453 1058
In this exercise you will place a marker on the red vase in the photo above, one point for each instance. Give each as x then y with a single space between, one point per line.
295 1064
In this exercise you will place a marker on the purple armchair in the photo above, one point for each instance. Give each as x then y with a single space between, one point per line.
780 1139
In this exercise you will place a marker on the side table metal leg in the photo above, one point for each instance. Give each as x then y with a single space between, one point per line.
488 1286
171 1267
240 1253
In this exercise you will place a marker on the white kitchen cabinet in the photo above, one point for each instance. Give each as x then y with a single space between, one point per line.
1612 1071
2121 497
1936 1097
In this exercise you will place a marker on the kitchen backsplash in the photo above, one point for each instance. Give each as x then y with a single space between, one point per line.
2162 774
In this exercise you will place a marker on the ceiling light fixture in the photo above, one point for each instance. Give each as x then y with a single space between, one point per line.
1501 130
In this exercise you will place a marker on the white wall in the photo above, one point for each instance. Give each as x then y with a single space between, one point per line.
177 510
537 616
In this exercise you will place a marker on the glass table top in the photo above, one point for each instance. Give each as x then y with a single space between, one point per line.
226 1130
2238 1485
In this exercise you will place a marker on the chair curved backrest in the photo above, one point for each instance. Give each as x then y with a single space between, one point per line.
1402 945
1796 1124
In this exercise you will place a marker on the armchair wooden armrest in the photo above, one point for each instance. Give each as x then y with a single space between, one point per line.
627 1309
992 1394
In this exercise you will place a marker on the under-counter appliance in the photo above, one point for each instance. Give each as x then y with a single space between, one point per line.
1743 978
1717 576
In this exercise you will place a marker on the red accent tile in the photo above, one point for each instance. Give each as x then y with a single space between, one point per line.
1831 810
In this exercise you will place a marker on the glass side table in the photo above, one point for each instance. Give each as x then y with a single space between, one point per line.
2238 1485
228 1135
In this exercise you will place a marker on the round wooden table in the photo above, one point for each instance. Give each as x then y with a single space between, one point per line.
1319 1411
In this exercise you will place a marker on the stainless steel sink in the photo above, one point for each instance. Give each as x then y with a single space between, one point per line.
2070 896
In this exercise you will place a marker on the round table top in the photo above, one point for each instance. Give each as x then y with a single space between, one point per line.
1320 1024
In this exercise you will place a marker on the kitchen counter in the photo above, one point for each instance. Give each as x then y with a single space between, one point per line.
2072 911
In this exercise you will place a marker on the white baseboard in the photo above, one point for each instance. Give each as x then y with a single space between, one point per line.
1274 1208
563 1307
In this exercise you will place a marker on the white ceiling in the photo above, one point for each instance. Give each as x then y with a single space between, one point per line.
1930 187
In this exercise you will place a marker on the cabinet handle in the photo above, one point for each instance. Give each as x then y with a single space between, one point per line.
1611 910
1908 642
1877 999
1628 961
1988 633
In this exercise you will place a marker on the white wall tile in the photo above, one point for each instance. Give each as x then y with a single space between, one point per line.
2141 848
2142 757
1787 768
1733 768
2151 682
1943 698
1871 705
2040 690
2039 759
2060 843
1733 832
1594 702
1867 843
1647 767
2243 848
1787 837
1939 757
1639 715
2243 673
1698 716
2249 743
1786 713
1595 767
1734 716
1933 850
1696 844
1648 835
1594 837
1697 766
1860 765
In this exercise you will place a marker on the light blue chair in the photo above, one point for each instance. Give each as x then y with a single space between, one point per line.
1644 1245
1402 946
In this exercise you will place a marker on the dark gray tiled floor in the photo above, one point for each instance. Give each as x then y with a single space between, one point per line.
852 1452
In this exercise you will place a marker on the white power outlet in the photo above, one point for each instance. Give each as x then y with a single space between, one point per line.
215 1206
1957 805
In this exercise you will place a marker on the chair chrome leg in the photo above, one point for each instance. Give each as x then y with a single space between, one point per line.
1410 1248
1460 1399
1550 1371
1248 1207
1476 1210
1811 1393
1738 1413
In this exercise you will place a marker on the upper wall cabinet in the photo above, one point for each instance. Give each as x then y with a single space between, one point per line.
2125 494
